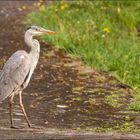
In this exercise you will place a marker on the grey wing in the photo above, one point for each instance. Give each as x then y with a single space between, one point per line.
14 73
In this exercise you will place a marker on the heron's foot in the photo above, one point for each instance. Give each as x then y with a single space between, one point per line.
28 122
14 127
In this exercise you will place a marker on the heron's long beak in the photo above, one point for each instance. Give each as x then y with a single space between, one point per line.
47 32
50 32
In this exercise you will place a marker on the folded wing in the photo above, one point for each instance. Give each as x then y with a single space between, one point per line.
14 73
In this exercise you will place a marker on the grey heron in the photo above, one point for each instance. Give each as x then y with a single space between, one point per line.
18 69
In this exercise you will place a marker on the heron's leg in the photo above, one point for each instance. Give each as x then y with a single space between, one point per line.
11 110
23 110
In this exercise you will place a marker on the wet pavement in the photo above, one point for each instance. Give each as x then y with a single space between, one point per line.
64 100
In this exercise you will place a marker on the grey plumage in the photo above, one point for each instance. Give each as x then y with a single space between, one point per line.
13 74
17 71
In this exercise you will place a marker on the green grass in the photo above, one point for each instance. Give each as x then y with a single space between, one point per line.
102 33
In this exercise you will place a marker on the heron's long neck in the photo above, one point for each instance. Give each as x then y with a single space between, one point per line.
34 46
32 43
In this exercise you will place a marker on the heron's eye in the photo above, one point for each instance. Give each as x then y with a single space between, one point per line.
36 28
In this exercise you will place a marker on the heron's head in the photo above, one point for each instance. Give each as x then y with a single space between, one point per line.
37 31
